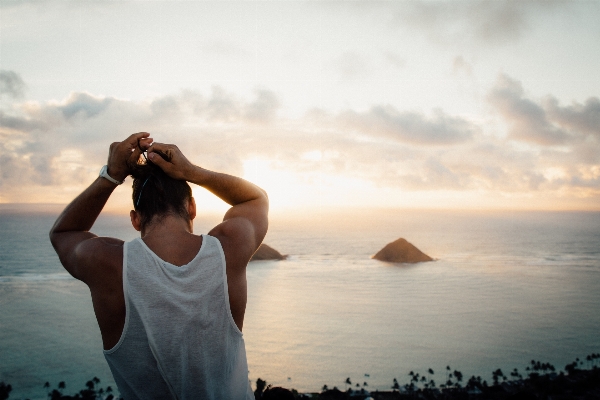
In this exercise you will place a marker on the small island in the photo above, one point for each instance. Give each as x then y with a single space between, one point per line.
265 252
401 251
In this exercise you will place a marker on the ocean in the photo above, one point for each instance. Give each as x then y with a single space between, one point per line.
506 288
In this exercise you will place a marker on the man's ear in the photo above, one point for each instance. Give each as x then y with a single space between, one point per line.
192 208
136 220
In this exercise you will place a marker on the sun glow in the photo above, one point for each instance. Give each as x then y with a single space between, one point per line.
285 188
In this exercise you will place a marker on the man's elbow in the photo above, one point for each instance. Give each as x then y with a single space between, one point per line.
57 239
264 196
52 235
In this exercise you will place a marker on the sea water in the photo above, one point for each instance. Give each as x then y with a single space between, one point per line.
506 288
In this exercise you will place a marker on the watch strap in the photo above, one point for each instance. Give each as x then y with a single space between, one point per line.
104 174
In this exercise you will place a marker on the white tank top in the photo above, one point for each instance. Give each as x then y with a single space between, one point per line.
179 340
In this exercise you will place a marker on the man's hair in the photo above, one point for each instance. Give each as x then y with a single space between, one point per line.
155 194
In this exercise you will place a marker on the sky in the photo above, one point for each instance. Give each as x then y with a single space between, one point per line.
325 104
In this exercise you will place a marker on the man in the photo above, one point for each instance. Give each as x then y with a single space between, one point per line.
170 305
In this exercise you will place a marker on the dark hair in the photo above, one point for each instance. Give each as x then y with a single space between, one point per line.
155 194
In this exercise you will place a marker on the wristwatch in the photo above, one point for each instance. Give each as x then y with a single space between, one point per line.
105 175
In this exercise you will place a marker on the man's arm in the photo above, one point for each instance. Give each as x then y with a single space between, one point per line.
245 224
75 245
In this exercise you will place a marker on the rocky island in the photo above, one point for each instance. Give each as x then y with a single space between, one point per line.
401 251
265 252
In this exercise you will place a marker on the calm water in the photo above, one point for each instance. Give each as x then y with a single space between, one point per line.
506 288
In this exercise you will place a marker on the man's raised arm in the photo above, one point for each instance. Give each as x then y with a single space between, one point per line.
245 224
70 234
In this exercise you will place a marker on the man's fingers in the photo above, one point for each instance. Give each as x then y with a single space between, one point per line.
134 138
135 155
146 143
161 147
156 159
138 143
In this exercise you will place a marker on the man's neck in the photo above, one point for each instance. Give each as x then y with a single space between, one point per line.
172 240
167 226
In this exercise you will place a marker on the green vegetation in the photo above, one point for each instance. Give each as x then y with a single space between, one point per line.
579 380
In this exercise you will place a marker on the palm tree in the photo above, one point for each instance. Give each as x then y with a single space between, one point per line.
5 391
415 381
459 377
260 388
496 375
430 372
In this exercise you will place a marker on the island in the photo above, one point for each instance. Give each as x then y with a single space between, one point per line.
401 251
265 252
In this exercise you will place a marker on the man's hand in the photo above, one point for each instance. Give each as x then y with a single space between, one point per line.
123 154
171 160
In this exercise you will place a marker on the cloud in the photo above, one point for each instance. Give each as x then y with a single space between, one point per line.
528 119
11 84
219 107
581 118
460 66
36 136
264 107
84 105
409 127
544 122
492 22
352 66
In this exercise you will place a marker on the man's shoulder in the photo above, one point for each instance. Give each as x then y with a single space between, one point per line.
237 239
99 257
101 246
